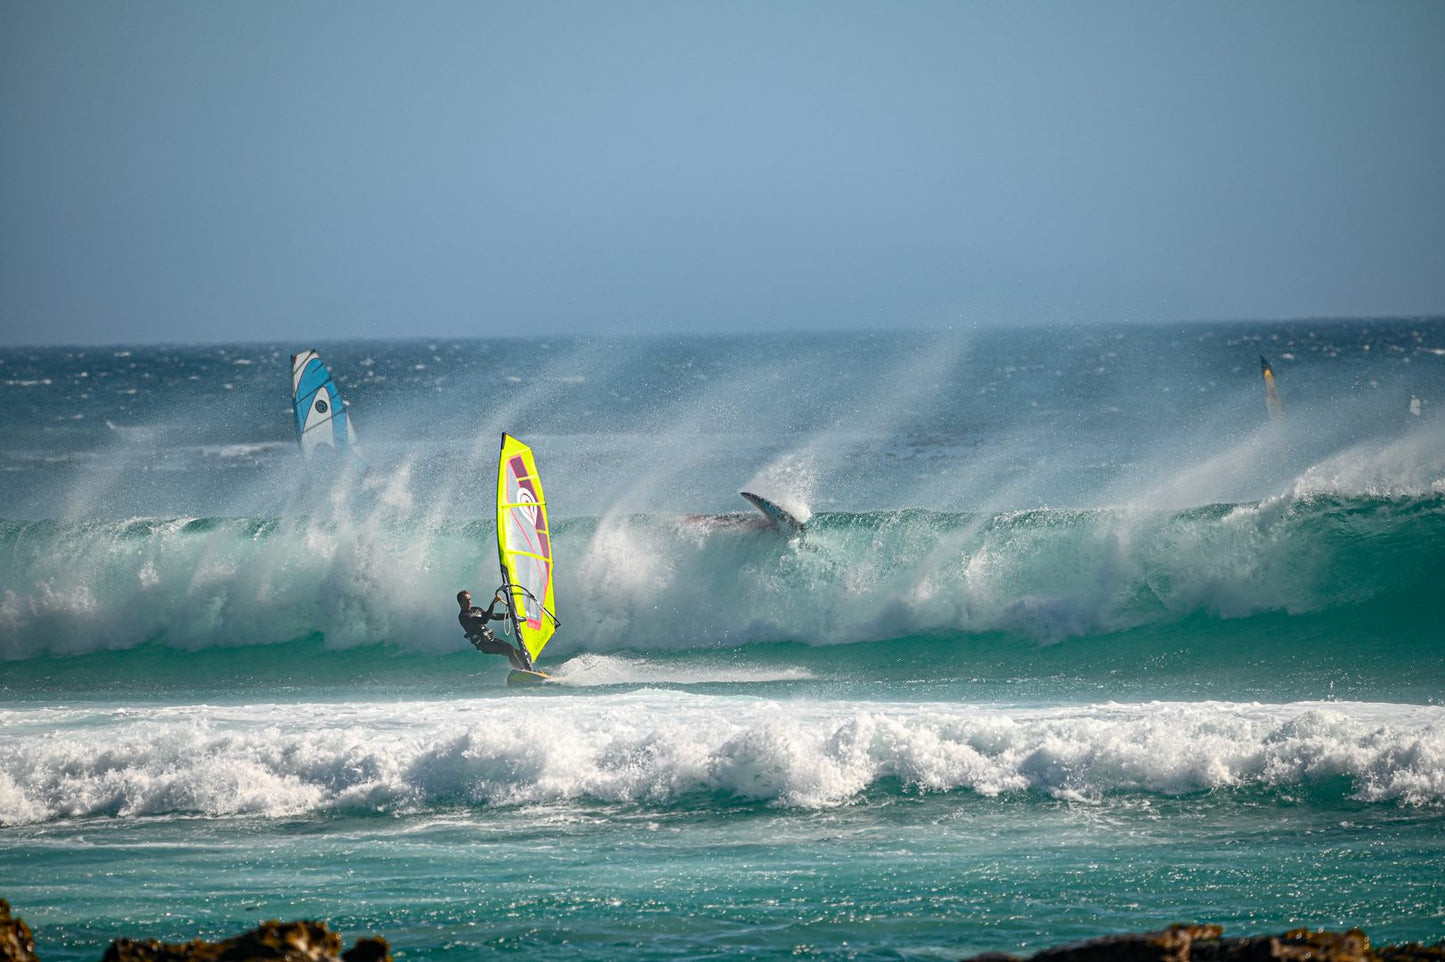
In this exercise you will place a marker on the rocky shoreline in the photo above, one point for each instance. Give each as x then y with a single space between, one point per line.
314 942
269 942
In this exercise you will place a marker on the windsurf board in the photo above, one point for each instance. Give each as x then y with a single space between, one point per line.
775 515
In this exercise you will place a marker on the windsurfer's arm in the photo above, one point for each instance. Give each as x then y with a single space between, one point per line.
491 614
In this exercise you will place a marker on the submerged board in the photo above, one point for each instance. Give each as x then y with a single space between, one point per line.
524 546
519 677
322 419
772 512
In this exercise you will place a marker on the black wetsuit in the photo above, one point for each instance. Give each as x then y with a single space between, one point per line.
474 623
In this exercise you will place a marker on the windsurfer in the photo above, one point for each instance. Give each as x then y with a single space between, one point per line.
474 622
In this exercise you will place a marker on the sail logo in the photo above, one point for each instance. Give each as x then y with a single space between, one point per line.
527 516
527 502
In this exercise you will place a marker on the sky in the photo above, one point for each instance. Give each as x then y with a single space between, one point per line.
180 171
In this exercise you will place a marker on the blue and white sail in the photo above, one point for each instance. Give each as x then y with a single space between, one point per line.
322 419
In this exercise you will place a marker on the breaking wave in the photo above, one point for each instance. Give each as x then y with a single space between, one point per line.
652 583
676 749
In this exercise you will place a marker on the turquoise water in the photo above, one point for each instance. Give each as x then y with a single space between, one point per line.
1077 641
921 877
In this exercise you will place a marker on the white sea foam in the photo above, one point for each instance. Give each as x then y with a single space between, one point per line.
594 670
654 747
1411 465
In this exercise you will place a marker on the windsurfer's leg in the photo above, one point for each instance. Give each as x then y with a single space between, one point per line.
489 644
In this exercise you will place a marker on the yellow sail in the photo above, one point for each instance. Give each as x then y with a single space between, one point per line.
524 545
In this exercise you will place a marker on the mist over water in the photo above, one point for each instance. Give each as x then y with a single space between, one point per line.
1044 484
1068 603
957 422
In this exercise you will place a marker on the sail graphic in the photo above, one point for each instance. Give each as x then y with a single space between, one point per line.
321 415
524 545
1271 393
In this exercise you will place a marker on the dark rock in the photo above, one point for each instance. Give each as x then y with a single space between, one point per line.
1296 945
270 942
1412 952
368 950
16 942
1171 945
1205 943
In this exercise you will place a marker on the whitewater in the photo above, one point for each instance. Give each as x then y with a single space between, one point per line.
1077 638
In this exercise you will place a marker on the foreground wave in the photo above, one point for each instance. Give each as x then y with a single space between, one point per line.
673 749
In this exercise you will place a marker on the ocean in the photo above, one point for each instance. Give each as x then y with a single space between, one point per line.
1077 639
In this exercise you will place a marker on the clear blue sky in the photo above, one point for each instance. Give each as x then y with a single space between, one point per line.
297 170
